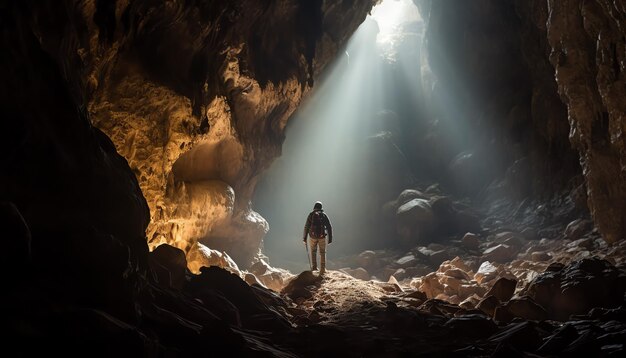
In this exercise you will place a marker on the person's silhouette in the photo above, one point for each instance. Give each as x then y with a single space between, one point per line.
317 227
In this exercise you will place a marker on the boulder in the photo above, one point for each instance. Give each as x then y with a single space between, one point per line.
407 261
578 287
486 272
431 286
500 253
438 257
526 308
271 277
170 264
368 259
296 287
419 270
488 305
400 274
540 256
503 289
470 289
217 287
577 228
408 195
470 241
417 295
251 279
455 263
509 238
470 302
415 220
202 256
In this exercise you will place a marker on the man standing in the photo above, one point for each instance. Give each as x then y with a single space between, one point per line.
317 227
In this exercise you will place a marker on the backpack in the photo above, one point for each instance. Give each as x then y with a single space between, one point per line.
317 229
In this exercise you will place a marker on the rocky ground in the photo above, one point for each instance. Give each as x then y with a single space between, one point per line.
510 290
499 293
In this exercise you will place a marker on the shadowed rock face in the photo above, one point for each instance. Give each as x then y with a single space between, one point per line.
194 95
539 88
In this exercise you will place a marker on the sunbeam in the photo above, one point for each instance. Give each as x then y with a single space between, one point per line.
342 144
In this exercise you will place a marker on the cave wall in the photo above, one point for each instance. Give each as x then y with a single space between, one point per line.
540 87
71 209
194 95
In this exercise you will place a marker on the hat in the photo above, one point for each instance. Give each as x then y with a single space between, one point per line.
318 205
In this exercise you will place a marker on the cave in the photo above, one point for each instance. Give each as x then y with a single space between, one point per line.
160 158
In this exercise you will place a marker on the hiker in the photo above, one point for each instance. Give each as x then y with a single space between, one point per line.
317 227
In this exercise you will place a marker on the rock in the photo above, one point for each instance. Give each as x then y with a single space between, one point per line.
503 289
470 302
577 288
391 286
400 274
414 220
509 238
368 260
433 189
252 280
488 305
407 261
219 288
455 263
419 270
202 256
560 339
555 267
431 286
467 290
358 273
576 229
271 277
296 287
260 267
526 308
392 280
417 295
173 260
408 195
386 272
582 243
451 285
522 336
457 273
433 246
486 272
437 257
540 256
500 253
470 241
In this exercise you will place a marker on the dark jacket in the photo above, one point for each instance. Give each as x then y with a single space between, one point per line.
325 221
